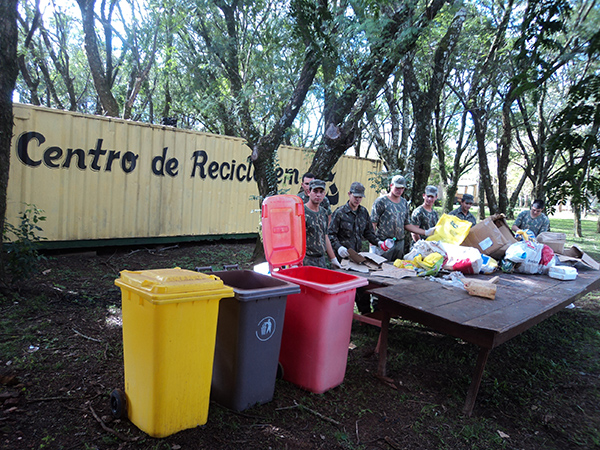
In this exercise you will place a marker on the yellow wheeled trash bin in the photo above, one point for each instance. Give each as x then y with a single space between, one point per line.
169 330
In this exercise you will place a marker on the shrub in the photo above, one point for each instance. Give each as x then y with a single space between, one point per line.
21 244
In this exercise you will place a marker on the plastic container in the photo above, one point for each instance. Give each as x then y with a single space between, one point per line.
562 272
248 341
318 320
169 330
388 244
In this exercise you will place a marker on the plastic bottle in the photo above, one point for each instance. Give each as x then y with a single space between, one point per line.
388 244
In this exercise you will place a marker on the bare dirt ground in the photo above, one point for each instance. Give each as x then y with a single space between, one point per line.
61 356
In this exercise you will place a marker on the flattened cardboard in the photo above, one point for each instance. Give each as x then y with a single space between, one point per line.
356 257
391 271
376 259
348 264
368 260
576 255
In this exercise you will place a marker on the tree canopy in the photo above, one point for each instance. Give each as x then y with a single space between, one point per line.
435 89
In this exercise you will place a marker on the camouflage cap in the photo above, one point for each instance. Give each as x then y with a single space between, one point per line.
357 189
431 190
399 181
467 198
316 184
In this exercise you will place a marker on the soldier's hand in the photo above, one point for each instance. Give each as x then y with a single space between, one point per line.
343 252
430 231
335 263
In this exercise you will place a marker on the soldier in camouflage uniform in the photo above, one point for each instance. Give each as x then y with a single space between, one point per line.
425 216
317 241
462 212
305 191
534 219
391 218
349 225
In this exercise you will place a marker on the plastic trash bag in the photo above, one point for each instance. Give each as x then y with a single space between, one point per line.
428 257
490 265
525 235
518 251
450 229
531 256
464 259
424 248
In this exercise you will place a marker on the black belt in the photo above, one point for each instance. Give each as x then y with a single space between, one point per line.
315 256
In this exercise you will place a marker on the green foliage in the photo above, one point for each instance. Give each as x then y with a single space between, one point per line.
540 41
380 181
21 243
577 141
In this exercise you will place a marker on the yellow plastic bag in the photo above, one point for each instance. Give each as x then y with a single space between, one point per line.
428 262
450 229
405 264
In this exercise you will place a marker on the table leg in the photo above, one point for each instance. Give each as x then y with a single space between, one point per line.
383 343
476 381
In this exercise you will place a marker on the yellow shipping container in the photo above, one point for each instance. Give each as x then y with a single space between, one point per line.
100 178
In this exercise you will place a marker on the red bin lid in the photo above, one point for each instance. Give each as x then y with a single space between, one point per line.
283 228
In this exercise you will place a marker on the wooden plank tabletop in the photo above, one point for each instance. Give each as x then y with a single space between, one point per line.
521 301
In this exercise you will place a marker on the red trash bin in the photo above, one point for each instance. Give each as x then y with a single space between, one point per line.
318 320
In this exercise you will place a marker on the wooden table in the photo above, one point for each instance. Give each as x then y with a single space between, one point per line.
522 301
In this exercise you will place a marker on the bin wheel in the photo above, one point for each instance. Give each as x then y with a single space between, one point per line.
118 404
279 371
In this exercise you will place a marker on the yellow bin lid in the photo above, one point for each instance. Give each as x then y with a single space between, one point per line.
173 285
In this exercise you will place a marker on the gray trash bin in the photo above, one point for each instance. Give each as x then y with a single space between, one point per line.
249 330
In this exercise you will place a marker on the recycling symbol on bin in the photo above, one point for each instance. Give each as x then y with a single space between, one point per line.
266 329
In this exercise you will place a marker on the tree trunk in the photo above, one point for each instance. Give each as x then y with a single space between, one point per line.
101 81
510 212
504 152
425 103
577 220
8 77
485 179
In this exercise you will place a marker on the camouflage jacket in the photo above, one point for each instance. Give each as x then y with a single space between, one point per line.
423 218
348 228
325 204
316 232
390 218
462 216
538 225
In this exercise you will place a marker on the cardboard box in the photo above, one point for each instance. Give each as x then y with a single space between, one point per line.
575 255
556 241
500 222
492 236
485 237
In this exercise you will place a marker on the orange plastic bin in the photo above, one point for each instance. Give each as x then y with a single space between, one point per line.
318 320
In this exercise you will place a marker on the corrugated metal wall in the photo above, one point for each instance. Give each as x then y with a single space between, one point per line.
104 178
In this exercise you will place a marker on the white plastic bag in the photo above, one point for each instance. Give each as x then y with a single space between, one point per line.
517 252
529 256
464 259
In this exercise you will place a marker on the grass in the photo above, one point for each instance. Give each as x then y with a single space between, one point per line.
590 240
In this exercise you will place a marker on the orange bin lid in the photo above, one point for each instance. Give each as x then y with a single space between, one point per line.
283 228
